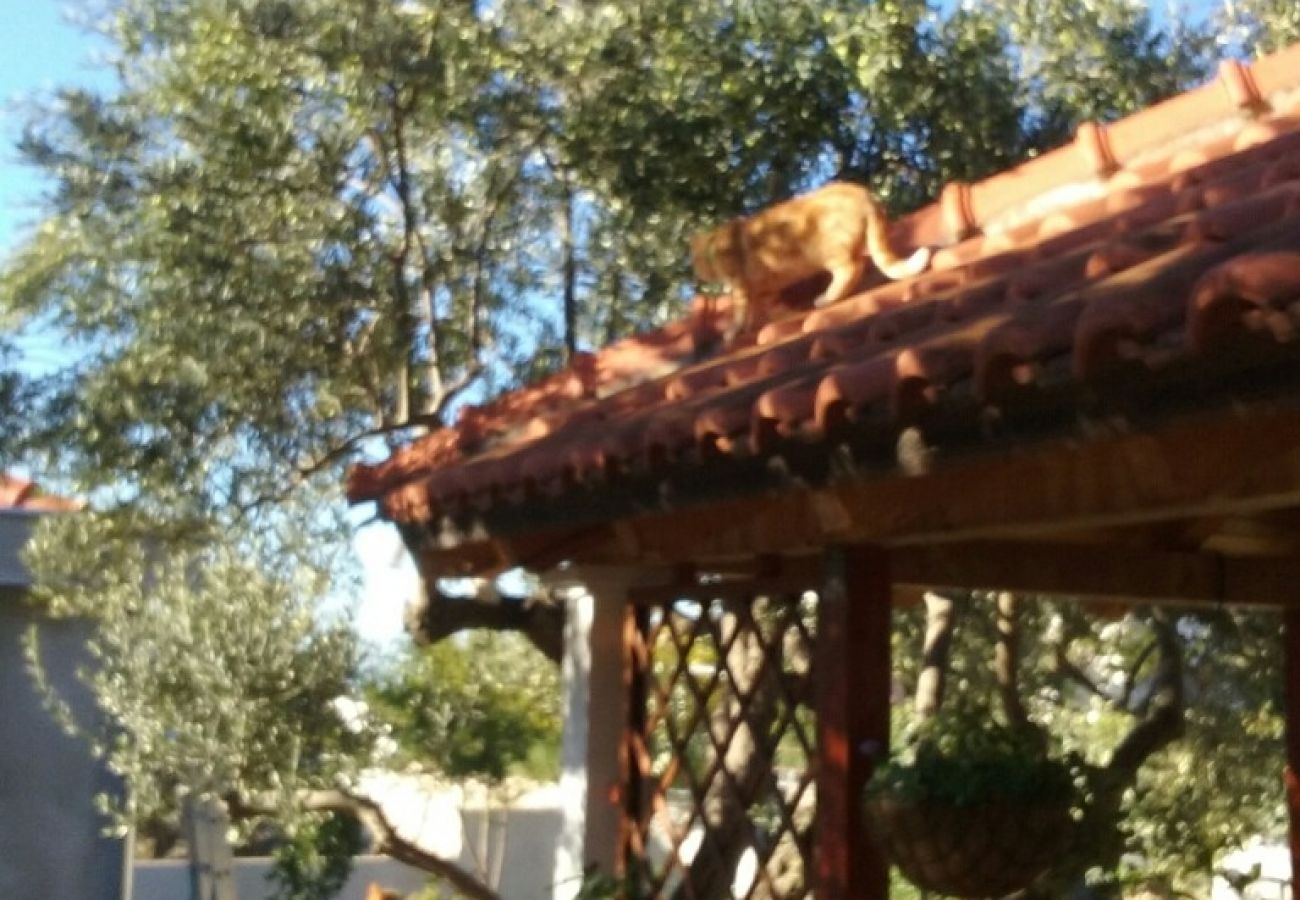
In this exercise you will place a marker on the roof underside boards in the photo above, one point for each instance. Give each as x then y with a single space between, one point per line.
1146 273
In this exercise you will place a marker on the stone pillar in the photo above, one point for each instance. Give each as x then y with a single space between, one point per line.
596 715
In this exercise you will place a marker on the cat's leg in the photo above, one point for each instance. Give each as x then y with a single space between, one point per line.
844 277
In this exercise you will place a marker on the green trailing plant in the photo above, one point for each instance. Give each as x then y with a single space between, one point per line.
316 859
965 757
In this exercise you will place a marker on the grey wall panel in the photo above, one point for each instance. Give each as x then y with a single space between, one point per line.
15 527
50 835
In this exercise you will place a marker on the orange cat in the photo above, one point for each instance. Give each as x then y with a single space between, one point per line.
834 229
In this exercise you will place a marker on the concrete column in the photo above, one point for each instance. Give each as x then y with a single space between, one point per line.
596 715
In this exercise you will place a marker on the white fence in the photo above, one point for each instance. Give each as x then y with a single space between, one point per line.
517 854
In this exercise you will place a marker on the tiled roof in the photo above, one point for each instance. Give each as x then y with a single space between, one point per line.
1151 261
19 493
22 494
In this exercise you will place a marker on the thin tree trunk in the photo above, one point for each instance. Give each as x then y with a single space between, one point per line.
1006 660
940 620
564 226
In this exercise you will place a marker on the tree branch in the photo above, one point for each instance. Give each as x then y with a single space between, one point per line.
413 241
569 268
1064 666
448 393
539 617
1163 720
328 458
388 840
1130 677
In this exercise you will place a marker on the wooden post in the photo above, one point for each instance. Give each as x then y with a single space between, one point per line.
853 691
632 794
1291 668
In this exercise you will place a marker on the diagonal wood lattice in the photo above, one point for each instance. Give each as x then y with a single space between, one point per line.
721 748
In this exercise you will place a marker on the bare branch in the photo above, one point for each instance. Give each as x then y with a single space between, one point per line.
539 617
494 208
1163 720
1131 676
1063 665
329 457
448 393
388 840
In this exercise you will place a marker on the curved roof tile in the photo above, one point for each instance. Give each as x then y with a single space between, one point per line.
1162 240
19 493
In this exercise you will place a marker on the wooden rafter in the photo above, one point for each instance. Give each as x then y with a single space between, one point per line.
1101 571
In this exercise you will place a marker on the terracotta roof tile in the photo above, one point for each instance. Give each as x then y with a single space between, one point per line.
19 493
1158 242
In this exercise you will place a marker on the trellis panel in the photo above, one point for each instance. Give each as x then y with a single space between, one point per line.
720 802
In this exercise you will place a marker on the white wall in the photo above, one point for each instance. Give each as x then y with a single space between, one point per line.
526 869
168 879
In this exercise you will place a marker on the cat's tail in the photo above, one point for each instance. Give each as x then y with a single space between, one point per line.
886 259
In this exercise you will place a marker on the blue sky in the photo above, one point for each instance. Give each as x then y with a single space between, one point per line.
44 50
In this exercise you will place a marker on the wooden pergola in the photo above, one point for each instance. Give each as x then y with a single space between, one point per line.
1092 393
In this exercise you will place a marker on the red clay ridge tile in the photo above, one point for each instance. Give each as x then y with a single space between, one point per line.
1277 73
1153 238
958 216
1028 181
1238 82
1177 121
1281 129
968 252
1093 142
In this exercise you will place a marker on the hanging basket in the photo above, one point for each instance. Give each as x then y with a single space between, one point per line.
987 849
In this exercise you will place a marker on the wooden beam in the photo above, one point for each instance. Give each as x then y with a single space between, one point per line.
738 581
632 802
1238 465
1101 571
1242 466
852 673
